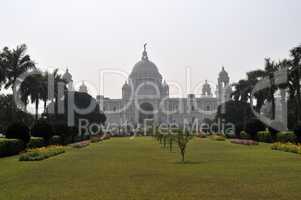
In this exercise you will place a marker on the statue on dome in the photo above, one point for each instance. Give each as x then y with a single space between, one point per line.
68 78
144 54
206 90
83 88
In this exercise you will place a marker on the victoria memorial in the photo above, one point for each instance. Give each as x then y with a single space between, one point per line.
145 98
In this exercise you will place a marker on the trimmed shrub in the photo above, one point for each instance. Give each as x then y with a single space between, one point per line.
286 136
18 131
253 126
62 130
264 136
36 142
41 153
297 132
66 133
274 128
244 135
230 134
55 140
42 129
9 147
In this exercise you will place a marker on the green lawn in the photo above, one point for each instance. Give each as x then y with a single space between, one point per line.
121 168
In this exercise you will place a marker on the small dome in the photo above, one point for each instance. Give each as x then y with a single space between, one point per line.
223 76
67 76
223 73
83 88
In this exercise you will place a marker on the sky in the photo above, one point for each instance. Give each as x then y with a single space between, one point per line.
194 37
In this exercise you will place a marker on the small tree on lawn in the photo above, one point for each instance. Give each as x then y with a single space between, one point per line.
170 140
182 139
165 136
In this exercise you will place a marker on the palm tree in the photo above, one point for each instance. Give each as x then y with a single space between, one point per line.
2 70
254 77
44 91
270 68
294 78
25 92
241 91
32 87
17 62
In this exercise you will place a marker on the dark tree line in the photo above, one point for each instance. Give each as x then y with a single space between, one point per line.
246 95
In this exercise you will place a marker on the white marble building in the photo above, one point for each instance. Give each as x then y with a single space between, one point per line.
146 96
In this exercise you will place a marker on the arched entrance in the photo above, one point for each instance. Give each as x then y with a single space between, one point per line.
146 112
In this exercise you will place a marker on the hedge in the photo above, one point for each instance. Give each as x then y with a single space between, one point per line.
264 136
55 140
244 135
286 136
9 147
36 142
18 130
42 129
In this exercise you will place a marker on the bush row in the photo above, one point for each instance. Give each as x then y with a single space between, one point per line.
42 129
9 147
269 137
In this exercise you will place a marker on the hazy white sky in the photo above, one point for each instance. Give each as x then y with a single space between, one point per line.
88 36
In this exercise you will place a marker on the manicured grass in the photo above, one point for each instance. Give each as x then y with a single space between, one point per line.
121 168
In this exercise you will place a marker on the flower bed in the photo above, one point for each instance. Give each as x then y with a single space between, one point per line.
287 147
244 142
41 153
81 144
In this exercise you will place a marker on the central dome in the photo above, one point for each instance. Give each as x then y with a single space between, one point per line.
145 69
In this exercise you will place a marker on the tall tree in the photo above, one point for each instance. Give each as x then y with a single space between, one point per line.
294 79
32 87
270 68
253 79
2 70
44 90
17 62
